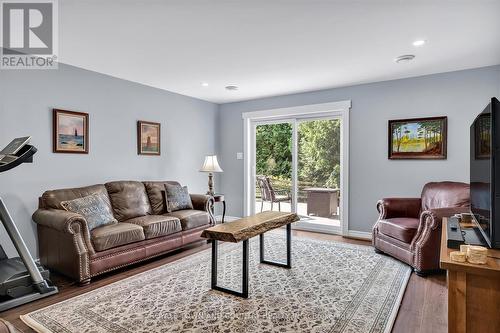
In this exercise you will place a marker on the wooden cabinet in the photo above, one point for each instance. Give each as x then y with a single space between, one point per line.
473 292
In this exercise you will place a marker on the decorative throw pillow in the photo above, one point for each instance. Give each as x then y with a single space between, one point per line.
177 197
95 208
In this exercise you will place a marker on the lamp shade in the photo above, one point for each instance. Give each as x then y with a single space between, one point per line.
211 164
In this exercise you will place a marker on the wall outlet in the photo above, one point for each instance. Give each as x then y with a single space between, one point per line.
239 156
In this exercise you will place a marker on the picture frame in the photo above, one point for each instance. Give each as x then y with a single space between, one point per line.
148 138
70 132
418 138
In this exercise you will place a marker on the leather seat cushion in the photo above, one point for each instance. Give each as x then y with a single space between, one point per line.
157 225
401 228
191 218
110 236
128 199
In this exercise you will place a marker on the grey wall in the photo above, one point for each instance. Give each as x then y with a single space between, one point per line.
458 95
26 100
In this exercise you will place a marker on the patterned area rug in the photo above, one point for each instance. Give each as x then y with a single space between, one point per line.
332 287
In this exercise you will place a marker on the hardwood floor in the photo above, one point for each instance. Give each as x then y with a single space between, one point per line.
423 308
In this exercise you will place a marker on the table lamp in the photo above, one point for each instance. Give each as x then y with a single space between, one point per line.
211 165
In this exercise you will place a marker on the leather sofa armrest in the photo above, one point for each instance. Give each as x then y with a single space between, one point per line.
427 241
64 242
398 207
60 220
205 203
65 222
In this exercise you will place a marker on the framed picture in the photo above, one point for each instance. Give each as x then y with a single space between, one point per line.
148 138
482 132
70 132
419 138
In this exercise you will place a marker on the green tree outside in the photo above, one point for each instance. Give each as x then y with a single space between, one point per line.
319 153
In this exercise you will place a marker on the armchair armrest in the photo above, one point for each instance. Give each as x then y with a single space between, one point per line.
427 241
398 207
203 202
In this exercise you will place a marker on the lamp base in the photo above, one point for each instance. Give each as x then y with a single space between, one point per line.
210 184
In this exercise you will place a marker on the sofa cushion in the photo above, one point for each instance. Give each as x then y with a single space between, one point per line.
177 198
191 218
53 198
109 236
402 228
156 194
95 208
128 199
157 225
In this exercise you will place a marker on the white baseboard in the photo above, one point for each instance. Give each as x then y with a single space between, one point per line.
359 234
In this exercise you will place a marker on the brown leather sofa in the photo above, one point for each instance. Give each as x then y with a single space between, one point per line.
409 229
144 229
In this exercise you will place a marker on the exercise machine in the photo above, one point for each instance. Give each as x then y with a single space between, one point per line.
22 280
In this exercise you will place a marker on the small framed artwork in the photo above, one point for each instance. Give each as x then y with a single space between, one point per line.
482 133
418 138
148 138
70 132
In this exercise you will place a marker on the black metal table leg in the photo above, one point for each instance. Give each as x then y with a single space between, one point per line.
244 292
288 250
223 210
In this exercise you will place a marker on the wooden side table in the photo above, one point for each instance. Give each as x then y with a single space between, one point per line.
473 291
220 198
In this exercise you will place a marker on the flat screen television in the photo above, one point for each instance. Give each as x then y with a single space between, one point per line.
485 173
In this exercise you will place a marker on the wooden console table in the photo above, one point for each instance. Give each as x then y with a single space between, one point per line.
473 291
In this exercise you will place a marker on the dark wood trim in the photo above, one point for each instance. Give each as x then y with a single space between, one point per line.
139 130
55 113
444 154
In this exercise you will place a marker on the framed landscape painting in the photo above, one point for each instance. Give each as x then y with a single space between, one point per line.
419 138
70 132
148 138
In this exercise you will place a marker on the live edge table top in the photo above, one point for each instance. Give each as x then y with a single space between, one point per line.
248 227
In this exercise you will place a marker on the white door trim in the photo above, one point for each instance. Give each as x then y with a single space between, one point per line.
336 109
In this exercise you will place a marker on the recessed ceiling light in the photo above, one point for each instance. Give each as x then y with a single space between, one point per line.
232 87
419 42
204 84
404 58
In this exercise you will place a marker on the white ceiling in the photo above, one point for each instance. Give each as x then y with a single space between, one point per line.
276 47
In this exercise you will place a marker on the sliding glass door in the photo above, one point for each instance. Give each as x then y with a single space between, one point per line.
318 173
297 168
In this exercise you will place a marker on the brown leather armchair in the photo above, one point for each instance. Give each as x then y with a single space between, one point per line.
409 229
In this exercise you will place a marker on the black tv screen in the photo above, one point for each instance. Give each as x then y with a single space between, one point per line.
485 173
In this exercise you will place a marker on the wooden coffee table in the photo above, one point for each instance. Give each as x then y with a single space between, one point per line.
241 231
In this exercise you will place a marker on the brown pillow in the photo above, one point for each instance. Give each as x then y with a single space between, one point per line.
177 197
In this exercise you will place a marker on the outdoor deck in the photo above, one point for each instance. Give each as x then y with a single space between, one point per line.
301 211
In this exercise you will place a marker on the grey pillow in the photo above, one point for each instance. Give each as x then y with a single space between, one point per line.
95 208
177 197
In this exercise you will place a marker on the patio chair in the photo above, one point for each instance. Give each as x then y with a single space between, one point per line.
268 193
